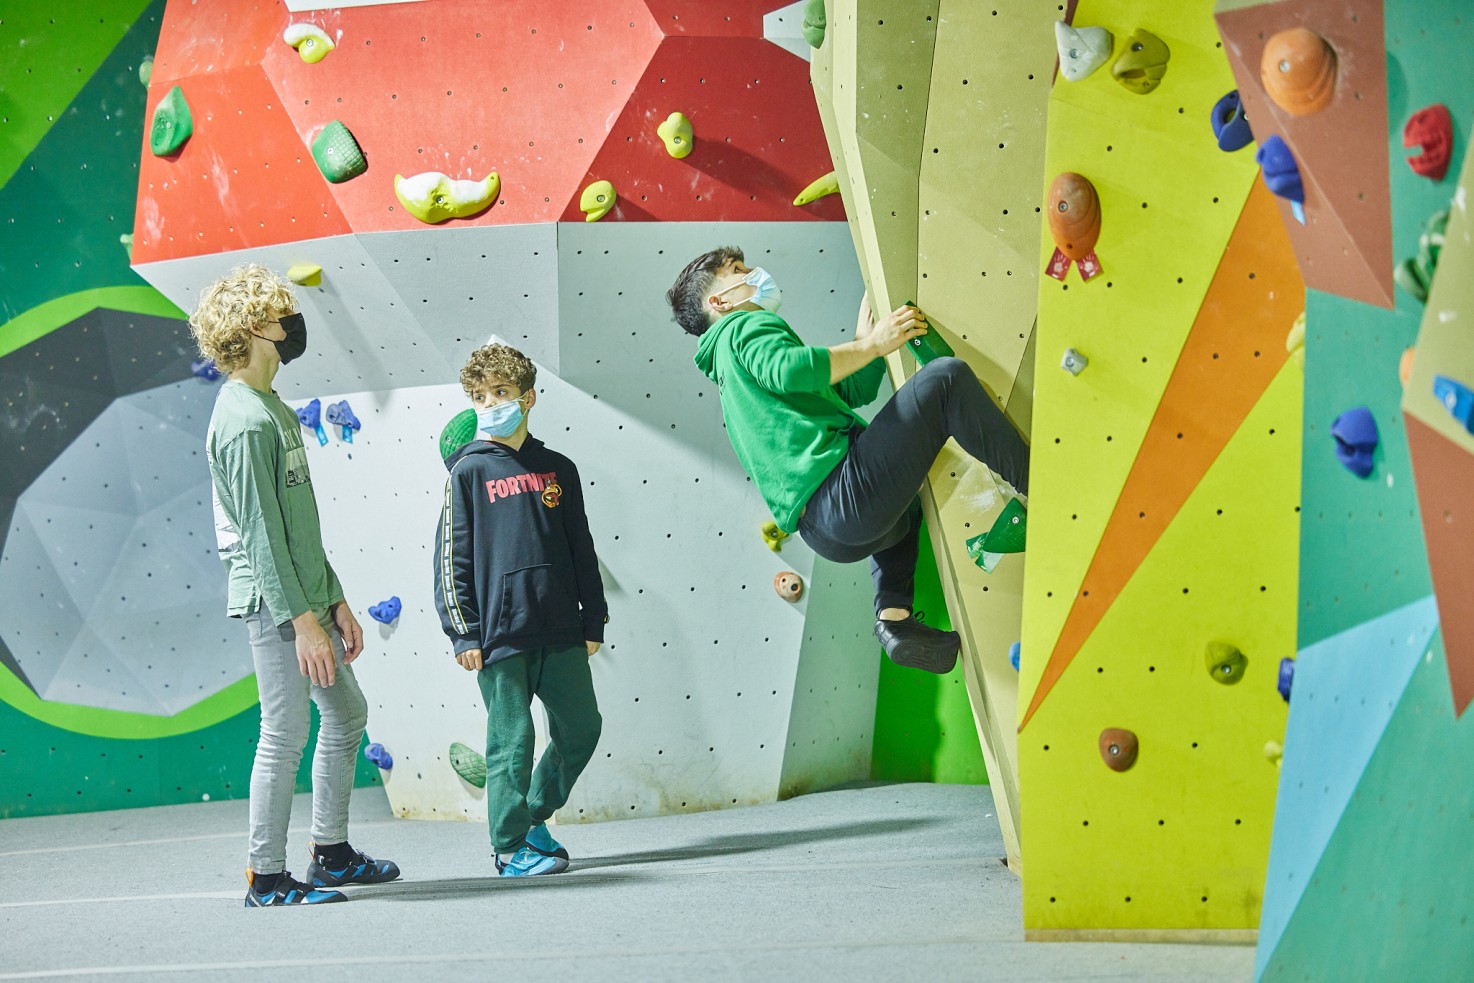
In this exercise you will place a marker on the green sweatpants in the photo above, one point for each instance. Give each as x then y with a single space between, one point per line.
516 797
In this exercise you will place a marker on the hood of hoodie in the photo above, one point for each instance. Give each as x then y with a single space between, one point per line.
479 446
706 351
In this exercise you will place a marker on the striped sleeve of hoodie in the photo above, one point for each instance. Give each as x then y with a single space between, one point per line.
455 589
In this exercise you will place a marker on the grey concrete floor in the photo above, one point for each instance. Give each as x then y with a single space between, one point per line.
890 882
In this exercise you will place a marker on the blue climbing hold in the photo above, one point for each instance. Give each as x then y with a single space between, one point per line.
311 417
341 415
386 611
205 369
1013 651
1281 173
1230 125
1356 439
1287 677
1457 398
375 752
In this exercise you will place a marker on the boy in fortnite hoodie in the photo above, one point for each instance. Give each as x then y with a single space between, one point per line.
518 589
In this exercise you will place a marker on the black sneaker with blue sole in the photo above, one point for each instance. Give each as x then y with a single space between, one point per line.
360 869
288 891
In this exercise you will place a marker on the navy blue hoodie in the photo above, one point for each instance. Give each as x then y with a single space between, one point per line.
515 567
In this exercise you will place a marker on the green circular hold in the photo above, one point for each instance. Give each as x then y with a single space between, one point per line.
459 432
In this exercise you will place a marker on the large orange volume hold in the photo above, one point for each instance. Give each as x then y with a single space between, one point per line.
1299 71
1074 215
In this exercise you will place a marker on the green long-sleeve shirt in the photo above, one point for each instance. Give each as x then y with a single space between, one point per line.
788 425
266 524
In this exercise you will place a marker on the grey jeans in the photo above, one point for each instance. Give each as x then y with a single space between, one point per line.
285 720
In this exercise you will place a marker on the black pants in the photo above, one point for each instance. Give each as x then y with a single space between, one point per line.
868 505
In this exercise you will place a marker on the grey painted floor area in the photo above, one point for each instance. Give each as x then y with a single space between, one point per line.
892 882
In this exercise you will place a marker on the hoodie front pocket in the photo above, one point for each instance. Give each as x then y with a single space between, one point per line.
534 599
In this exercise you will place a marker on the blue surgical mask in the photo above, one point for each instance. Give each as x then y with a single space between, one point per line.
765 290
501 420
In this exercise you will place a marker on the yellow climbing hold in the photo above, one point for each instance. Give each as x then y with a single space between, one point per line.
826 185
1295 340
311 42
676 133
773 536
305 274
596 200
432 197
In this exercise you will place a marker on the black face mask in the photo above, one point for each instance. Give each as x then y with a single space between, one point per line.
295 343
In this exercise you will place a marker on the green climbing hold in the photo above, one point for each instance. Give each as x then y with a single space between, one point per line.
172 124
468 763
459 432
337 153
1415 275
1226 664
1006 536
814 23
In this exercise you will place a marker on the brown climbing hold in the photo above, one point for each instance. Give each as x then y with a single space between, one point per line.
1118 748
1298 70
1074 215
788 585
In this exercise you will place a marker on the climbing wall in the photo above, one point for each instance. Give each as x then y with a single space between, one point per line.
715 691
1180 545
913 117
1368 874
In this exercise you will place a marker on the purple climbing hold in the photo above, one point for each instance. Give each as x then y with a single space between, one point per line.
375 752
1356 439
1287 677
386 611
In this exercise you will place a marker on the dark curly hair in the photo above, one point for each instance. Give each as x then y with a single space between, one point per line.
687 297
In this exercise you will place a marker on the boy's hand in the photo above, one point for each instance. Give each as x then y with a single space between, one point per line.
592 647
351 631
470 659
314 650
897 328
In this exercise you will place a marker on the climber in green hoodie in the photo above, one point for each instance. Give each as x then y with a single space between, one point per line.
850 490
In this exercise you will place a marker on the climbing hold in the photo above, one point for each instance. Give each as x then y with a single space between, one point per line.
146 69
1074 223
1274 752
311 42
305 274
469 763
773 536
341 415
1431 130
925 347
127 240
1457 398
205 369
1405 365
311 417
818 188
1287 677
1295 340
789 585
1415 275
1081 49
457 433
1230 125
337 154
1074 363
1226 664
1282 174
815 23
1141 66
1356 438
676 134
386 611
375 752
1298 69
1118 748
1013 654
596 200
1006 536
172 124
432 197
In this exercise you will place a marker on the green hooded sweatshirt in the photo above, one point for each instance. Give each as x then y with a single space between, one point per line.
788 425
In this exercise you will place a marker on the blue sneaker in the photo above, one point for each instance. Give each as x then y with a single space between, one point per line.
360 869
288 891
542 842
527 862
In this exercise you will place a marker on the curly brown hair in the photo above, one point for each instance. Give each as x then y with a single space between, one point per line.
503 362
246 297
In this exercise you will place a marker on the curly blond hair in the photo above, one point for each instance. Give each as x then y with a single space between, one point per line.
248 296
497 361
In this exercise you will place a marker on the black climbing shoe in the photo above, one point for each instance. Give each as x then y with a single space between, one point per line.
914 645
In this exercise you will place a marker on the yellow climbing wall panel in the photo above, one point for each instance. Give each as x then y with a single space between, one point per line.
1174 847
944 202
